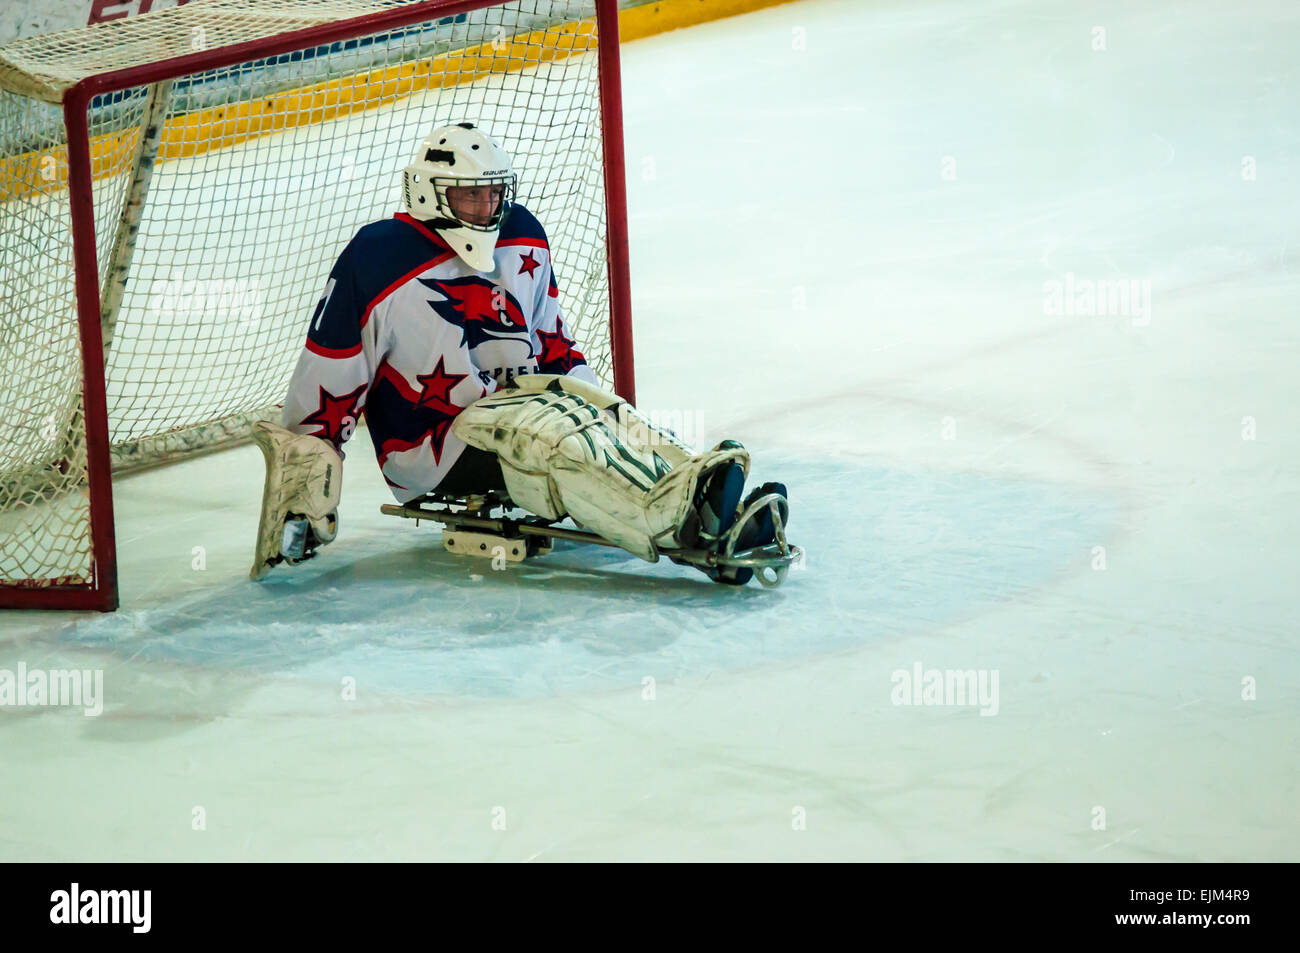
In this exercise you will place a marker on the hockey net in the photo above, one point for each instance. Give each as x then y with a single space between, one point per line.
222 192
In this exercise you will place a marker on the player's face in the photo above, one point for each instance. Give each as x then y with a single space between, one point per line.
475 204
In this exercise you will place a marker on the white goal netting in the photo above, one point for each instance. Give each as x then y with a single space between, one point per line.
248 180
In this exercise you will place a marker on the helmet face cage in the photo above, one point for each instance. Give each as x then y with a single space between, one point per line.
508 182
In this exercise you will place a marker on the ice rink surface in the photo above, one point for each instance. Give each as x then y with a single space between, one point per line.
854 226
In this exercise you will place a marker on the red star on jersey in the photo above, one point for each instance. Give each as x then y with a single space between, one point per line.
436 388
334 414
558 355
528 264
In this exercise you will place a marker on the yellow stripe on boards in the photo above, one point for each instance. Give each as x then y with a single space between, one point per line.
219 127
206 130
202 131
660 16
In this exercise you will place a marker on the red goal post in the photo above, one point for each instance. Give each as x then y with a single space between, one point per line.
175 186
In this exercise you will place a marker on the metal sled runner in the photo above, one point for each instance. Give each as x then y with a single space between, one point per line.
472 530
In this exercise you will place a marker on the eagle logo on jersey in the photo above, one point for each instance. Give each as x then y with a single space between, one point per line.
483 311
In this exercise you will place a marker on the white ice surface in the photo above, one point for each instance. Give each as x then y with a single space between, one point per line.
763 177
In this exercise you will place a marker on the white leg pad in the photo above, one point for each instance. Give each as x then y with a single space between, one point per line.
567 447
304 477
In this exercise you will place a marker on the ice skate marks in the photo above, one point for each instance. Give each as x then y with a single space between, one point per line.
890 552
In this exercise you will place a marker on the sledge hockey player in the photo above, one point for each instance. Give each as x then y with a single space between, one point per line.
443 324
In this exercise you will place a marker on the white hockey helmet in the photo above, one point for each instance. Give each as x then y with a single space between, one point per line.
459 155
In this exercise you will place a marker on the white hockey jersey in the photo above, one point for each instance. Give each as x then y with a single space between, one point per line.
410 335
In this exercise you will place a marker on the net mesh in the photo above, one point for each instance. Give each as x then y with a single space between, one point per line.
254 177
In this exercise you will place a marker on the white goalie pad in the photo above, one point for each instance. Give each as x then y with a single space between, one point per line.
304 478
567 447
